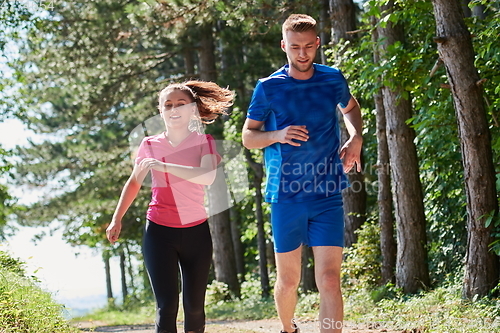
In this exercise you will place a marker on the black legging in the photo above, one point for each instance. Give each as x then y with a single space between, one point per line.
166 249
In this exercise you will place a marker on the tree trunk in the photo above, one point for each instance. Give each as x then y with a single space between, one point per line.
343 18
189 62
218 194
123 274
325 29
384 198
208 70
261 234
465 8
271 259
342 14
308 276
412 272
239 254
476 11
479 11
107 270
130 270
220 228
456 50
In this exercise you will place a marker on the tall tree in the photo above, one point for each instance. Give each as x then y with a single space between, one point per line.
412 272
384 196
261 235
218 195
457 53
343 21
107 271
123 273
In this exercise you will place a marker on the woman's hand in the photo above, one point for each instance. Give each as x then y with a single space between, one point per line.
113 231
153 164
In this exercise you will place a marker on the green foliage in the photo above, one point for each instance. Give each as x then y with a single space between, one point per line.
140 313
12 14
408 64
361 266
13 265
249 306
24 307
493 220
307 307
217 293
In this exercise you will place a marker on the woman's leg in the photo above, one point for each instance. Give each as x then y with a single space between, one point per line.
160 250
195 259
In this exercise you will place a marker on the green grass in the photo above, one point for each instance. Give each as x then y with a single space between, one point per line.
140 313
25 308
440 310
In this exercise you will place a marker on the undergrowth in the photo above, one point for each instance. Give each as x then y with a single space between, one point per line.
24 307
440 310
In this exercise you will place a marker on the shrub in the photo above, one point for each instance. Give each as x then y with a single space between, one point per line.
361 267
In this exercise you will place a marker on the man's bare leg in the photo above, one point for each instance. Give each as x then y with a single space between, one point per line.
285 290
327 262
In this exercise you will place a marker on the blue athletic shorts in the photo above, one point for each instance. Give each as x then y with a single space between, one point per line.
312 223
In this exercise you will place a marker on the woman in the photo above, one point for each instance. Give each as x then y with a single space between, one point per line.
181 161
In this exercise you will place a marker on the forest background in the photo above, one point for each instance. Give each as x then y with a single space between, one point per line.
422 214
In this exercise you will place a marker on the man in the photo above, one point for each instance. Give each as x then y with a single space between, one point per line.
293 116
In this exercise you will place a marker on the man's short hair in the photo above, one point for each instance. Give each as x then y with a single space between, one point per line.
299 23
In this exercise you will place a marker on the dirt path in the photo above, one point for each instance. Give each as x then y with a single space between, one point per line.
254 326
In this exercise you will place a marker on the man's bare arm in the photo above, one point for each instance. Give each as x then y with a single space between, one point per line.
351 150
255 138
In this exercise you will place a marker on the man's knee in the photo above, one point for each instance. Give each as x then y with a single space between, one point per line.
287 282
328 281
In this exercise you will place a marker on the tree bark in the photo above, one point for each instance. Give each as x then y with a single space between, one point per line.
325 29
308 276
123 274
258 171
384 196
456 50
388 246
479 11
239 254
465 8
476 11
220 229
189 62
412 272
107 270
218 194
130 270
208 70
343 20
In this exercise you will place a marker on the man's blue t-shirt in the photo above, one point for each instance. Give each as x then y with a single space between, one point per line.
313 170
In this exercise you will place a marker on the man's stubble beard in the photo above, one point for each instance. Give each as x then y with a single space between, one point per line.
297 66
